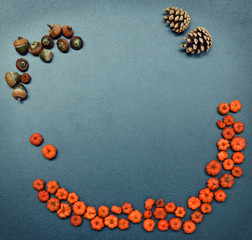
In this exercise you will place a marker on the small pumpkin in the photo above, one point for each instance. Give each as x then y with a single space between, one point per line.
175 224
53 204
220 124
72 198
39 184
97 223
238 157
116 209
237 172
213 183
189 227
159 213
49 151
193 203
197 217
222 155
135 216
227 180
180 212
228 120
206 208
36 139
223 144
147 214
67 31
43 196
76 220
206 195
228 164
123 224
220 195
223 108
149 225
160 203
52 187
170 207
90 213
19 92
235 106
238 127
61 194
213 168
55 30
127 208
12 78
64 210
103 211
149 204
111 221
238 144
163 225
79 208
35 48
21 45
228 133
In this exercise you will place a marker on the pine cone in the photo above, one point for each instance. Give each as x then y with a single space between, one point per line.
178 19
198 40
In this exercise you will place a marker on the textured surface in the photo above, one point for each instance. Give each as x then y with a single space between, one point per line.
132 116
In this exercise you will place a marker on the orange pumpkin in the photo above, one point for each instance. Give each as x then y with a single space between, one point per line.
116 209
223 108
228 164
159 213
123 224
38 184
62 194
135 216
163 225
149 225
52 187
43 196
197 217
235 106
170 207
90 213
223 144
76 220
36 139
238 157
213 183
189 226
180 212
175 224
222 155
111 221
53 204
193 203
238 144
206 195
149 204
237 172
103 211
220 195
228 120
49 151
206 208
79 208
213 168
72 198
127 208
147 214
64 210
97 223
226 180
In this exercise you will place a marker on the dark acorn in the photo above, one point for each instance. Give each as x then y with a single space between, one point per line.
62 45
12 78
76 43
35 48
21 45
19 92
22 64
46 55
25 78
47 41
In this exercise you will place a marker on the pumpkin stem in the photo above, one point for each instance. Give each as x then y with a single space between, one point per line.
19 38
50 26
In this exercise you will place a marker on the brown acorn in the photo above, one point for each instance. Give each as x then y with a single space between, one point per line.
25 78
55 30
198 40
35 48
63 45
22 64
21 45
46 55
47 41
12 78
19 92
67 31
76 43
178 19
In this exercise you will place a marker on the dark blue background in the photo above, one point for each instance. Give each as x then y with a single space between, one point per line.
132 116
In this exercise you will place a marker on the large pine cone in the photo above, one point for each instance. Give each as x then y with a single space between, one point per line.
198 40
178 19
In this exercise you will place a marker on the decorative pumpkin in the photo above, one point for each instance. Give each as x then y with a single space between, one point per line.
175 224
21 45
72 198
90 213
12 78
123 224
226 180
149 225
135 216
180 212
63 45
39 184
46 55
235 106
49 151
97 223
228 133
222 155
237 172
35 48
163 225
67 31
76 220
55 30
223 144
111 221
127 208
170 207
22 64
220 195
223 108
220 124
228 120
52 187
189 227
197 217
79 208
205 195
149 204
25 78
238 157
193 203
47 42
43 196
19 92
160 203
238 144
116 209
147 214
36 139
228 164
64 210
213 183
159 213
238 127
53 204
76 43
206 208
62 194
103 211
213 168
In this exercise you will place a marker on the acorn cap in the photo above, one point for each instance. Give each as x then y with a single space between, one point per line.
19 92
35 48
47 41
76 43
20 41
46 55
22 64
63 45
12 78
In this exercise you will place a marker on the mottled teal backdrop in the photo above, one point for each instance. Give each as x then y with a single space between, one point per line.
132 116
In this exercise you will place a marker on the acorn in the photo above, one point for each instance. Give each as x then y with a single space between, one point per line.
35 48
12 78
76 43
25 78
22 64
63 45
46 55
55 30
21 45
47 41
67 31
19 92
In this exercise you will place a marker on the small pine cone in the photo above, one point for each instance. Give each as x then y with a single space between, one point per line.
178 19
198 40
